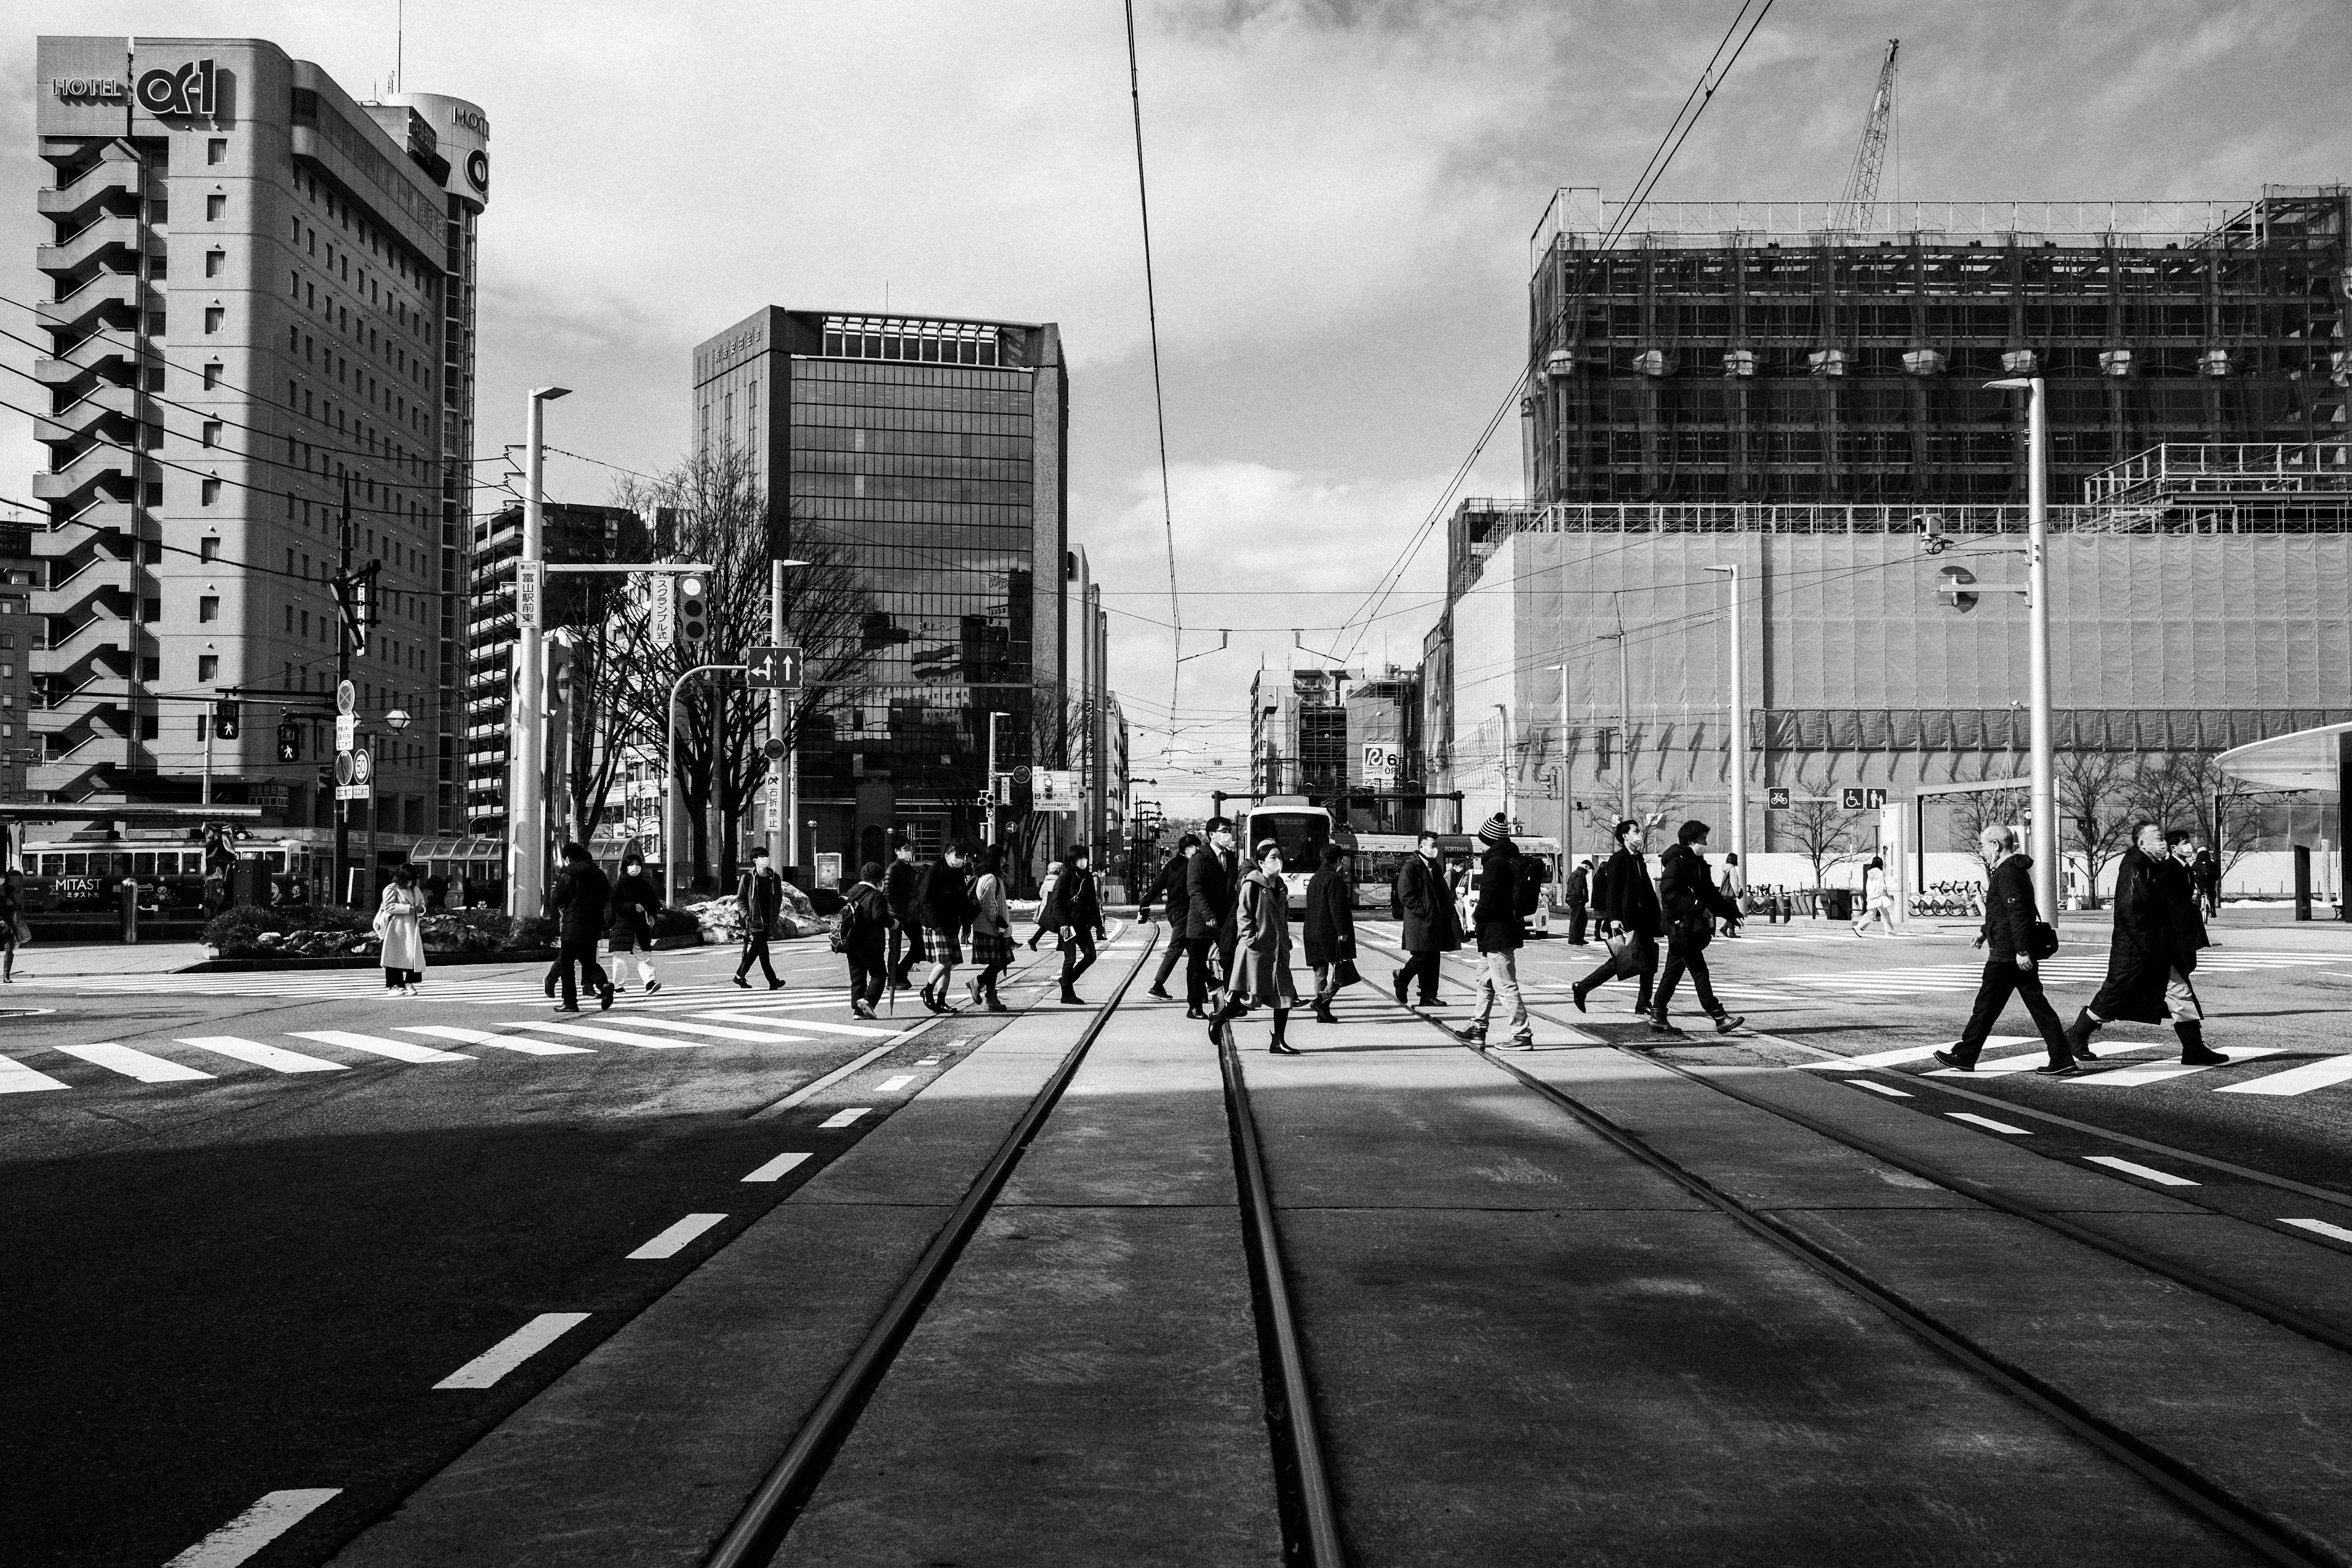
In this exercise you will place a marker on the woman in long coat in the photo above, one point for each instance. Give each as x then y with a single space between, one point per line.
1261 956
2152 953
397 921
1330 927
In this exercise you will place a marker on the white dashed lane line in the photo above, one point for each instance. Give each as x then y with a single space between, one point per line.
2320 1228
485 1370
1987 1123
676 1238
2144 1172
844 1118
777 1167
257 1527
893 1085
1877 1088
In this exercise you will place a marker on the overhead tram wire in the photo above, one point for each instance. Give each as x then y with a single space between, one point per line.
1158 398
1693 105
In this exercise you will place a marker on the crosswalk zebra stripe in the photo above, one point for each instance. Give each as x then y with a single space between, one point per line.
134 1064
274 1057
2158 1072
2295 1080
377 1045
497 1042
718 1032
615 1037
15 1078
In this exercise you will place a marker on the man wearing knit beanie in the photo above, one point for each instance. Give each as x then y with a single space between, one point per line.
1494 830
1500 933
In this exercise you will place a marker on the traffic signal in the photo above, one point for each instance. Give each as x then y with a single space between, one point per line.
693 612
289 741
224 719
1953 583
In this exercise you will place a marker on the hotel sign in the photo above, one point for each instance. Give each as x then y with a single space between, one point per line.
186 91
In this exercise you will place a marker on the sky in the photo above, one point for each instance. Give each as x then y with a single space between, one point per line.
1341 198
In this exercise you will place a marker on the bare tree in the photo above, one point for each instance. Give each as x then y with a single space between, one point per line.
718 514
2187 790
1973 814
2094 793
1823 832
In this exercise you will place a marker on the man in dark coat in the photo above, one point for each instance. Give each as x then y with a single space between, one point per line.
898 892
1630 904
1691 904
1432 926
1172 890
1330 927
1211 880
1579 893
583 895
2011 915
2152 953
1075 910
759 900
1500 931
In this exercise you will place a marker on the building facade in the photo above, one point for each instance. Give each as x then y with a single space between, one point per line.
929 453
252 289
18 571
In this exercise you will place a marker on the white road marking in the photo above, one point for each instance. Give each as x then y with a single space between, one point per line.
497 1042
375 1046
485 1370
2293 1080
272 1057
2320 1228
15 1078
810 1089
776 1167
893 1085
930 1061
748 1015
677 1237
616 1036
1912 1053
1875 1088
716 1033
134 1064
256 1528
2164 1178
2024 1062
1989 1123
2157 1072
844 1117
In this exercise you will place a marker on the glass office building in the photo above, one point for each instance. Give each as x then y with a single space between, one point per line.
930 451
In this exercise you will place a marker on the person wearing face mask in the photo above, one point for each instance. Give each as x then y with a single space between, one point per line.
1260 971
1631 906
2154 950
635 904
1433 927
1211 881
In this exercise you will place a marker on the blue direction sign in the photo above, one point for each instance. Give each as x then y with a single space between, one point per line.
773 668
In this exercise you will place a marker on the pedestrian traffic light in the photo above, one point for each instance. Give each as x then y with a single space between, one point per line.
693 612
224 719
289 741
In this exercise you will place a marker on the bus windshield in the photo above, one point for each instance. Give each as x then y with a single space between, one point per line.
1300 831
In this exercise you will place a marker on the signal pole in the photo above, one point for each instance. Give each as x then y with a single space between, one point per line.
2046 851
525 805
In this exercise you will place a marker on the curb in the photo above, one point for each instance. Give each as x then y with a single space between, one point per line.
363 961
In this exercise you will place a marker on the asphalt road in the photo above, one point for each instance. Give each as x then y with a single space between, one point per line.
246 1286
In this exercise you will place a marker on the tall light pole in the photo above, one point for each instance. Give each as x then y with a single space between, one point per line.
784 805
1624 714
1567 792
1738 731
1502 759
526 715
2046 850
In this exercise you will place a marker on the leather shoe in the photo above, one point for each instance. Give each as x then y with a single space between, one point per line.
2058 1069
1576 994
1397 984
1158 994
1948 1060
1280 1049
1195 1012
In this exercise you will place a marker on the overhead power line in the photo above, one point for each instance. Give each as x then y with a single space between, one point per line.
1158 398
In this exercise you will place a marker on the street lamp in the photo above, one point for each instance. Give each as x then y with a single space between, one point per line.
526 807
397 720
783 795
2046 852
1738 731
1567 802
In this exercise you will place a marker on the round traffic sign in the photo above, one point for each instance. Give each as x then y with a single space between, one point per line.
775 750
362 767
1021 773
347 697
342 767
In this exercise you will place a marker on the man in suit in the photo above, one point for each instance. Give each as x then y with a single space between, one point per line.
1433 926
1630 904
1172 888
2011 915
1211 879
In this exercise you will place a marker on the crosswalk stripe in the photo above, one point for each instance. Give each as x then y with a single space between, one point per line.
739 1015
2293 1080
261 1056
2158 1072
1901 1054
719 1033
485 1370
616 1036
377 1045
15 1078
497 1042
134 1064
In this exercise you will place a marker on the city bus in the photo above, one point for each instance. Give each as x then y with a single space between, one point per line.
1301 829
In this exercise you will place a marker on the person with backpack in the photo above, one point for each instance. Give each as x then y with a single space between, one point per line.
861 934
1074 909
1692 904
1505 884
991 929
1172 888
1430 925
636 902
1046 886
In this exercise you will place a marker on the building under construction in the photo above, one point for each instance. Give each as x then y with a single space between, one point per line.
1793 351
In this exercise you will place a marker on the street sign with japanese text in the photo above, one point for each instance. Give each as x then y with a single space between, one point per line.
1054 789
527 595
347 731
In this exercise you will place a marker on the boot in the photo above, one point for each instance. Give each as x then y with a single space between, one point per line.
1070 997
2078 1035
1282 1048
1471 1034
1323 1011
1576 994
1658 1024
1725 1023
2193 1050
1396 983
996 1003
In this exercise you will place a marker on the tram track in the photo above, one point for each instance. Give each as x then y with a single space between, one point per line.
2278 1540
1301 1474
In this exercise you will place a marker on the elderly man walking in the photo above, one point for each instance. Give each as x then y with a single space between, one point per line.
1432 925
2157 934
2011 919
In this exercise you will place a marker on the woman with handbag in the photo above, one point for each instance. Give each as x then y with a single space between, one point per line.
1330 930
1262 953
398 922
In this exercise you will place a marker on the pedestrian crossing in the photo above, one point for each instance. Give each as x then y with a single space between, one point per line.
2120 1066
206 1057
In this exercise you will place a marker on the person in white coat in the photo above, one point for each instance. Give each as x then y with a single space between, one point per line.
1878 897
397 922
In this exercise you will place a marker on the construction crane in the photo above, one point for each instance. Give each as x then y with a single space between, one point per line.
1857 208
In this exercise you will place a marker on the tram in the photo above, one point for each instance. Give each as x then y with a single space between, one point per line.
1301 829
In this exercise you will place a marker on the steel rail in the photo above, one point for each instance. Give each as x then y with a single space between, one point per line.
760 1528
1319 1509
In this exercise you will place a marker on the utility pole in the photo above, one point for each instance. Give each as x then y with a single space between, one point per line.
2045 849
1624 712
1566 789
526 804
781 807
1738 731
1502 759
343 678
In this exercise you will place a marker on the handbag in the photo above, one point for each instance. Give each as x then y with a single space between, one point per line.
2041 942
1343 973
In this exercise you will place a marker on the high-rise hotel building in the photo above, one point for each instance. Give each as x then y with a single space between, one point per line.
259 299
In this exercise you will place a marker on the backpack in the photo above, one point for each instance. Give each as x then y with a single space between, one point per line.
855 920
